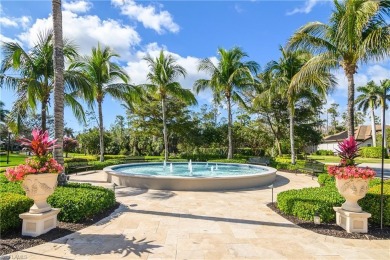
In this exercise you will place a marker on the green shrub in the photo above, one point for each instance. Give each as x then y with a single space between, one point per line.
285 164
304 203
11 205
371 152
372 202
325 179
324 152
78 159
228 161
116 156
81 201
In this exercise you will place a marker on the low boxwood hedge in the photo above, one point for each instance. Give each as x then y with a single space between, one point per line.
11 205
81 201
372 203
304 203
77 201
371 152
325 179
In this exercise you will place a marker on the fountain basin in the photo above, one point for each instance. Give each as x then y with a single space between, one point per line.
224 176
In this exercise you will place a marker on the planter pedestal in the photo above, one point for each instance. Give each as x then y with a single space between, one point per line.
352 222
35 224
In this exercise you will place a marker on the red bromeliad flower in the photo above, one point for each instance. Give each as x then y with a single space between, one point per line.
40 143
348 151
41 162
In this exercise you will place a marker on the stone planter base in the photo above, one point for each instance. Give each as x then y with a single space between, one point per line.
352 222
35 224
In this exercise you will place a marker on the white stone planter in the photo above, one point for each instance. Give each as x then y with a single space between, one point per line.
352 190
39 187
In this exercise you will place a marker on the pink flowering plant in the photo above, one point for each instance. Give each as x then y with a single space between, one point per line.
40 162
348 151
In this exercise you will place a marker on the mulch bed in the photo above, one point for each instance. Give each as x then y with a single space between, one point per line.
332 229
14 241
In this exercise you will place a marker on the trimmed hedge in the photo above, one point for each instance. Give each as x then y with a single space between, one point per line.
304 203
372 203
324 152
77 201
11 205
371 152
285 164
325 179
81 201
228 161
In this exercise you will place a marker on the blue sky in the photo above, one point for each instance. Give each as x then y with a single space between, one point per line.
189 30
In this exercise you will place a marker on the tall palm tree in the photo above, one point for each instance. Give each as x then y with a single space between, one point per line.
58 54
164 70
35 80
369 100
3 112
357 33
293 81
104 77
228 79
384 96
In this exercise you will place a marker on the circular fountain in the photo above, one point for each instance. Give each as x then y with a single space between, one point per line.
199 176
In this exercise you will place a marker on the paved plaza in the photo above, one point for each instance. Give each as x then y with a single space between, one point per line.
153 224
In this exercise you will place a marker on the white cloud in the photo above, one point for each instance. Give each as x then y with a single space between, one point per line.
80 6
308 6
238 8
6 22
86 31
149 16
378 73
7 39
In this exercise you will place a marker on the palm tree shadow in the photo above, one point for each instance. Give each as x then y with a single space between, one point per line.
92 244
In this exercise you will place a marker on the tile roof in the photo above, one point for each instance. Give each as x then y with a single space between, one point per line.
362 133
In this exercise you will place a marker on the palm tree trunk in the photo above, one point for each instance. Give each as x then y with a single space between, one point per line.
278 145
373 127
230 130
101 130
350 107
43 115
292 143
58 81
165 130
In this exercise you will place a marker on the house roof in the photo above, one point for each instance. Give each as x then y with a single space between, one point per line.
362 133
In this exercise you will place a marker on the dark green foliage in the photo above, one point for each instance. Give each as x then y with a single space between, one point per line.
304 203
325 179
81 201
229 160
372 202
324 152
371 152
285 164
11 205
81 159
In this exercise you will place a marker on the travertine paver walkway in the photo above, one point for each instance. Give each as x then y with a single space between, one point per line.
154 224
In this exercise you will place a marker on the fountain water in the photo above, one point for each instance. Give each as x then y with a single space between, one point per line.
212 168
171 168
165 164
216 167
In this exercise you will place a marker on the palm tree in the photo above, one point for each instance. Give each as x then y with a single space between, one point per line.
357 33
293 81
384 96
58 80
3 112
163 72
228 79
104 77
36 78
369 100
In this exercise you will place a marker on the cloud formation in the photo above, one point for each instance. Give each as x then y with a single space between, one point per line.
149 16
80 6
86 31
306 8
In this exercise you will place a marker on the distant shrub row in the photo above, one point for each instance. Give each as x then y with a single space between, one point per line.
371 152
324 152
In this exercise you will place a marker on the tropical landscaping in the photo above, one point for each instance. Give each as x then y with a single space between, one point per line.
272 111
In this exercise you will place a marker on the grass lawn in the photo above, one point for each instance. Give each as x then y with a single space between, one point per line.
14 159
336 159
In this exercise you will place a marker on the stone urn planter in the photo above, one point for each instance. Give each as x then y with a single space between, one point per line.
39 187
352 189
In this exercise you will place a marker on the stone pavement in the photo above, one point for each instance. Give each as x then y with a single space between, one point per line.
152 224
